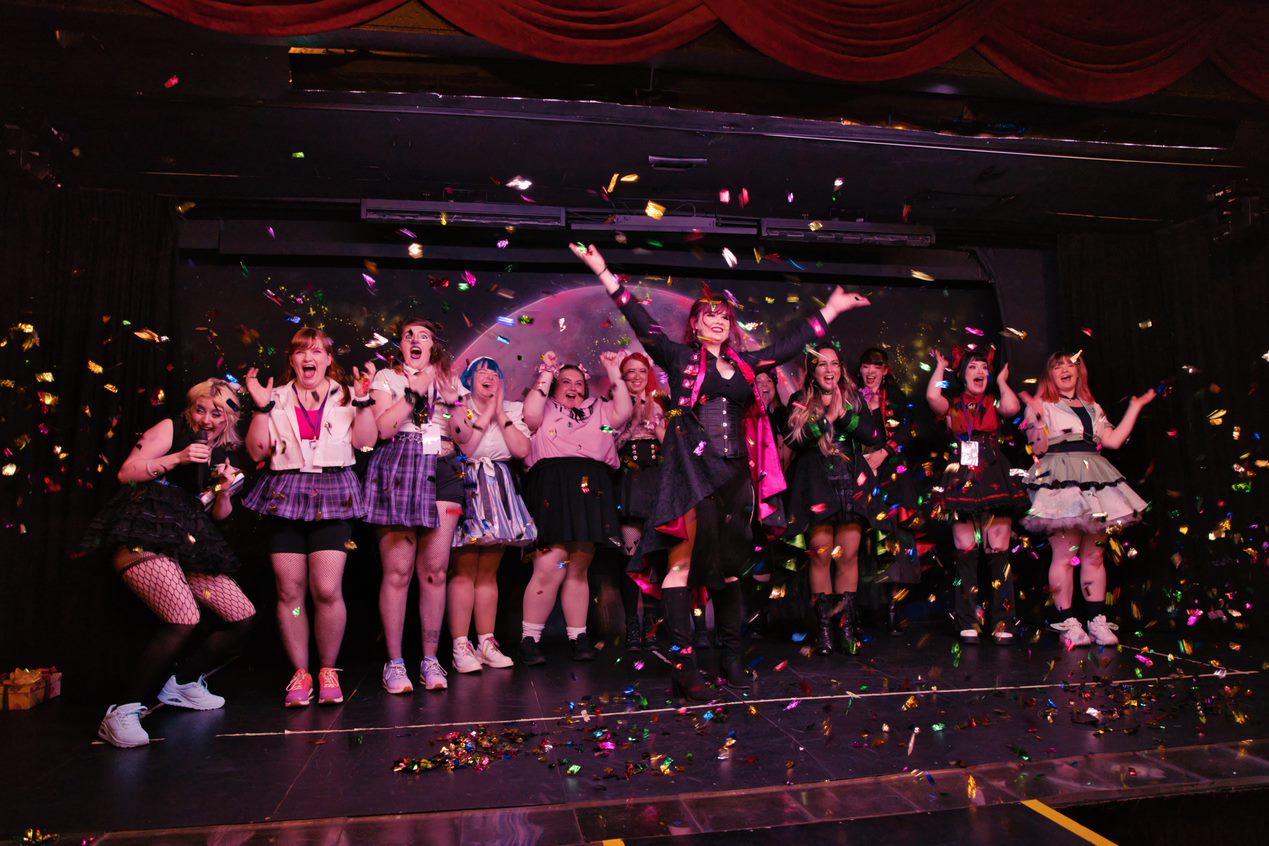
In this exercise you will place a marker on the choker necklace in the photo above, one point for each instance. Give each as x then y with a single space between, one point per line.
1065 397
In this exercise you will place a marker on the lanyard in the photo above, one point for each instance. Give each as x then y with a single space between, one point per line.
314 424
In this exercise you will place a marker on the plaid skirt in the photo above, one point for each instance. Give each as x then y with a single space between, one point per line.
293 495
495 512
402 482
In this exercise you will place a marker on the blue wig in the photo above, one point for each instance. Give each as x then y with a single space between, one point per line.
469 372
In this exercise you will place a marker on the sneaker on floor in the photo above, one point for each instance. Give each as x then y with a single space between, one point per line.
193 695
396 679
531 652
432 674
1103 632
328 690
1072 633
490 655
122 726
465 658
299 690
582 650
969 635
1004 637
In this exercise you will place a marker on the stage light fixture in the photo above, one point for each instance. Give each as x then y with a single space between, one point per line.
463 214
847 232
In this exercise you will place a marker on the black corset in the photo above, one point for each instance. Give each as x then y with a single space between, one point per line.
720 418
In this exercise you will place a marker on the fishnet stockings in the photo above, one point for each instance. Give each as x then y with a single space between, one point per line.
174 596
320 574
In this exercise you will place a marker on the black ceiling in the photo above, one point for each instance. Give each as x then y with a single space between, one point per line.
138 101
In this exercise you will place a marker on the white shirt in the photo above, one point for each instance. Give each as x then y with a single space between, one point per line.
493 446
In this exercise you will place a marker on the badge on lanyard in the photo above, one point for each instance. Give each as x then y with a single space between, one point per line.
969 453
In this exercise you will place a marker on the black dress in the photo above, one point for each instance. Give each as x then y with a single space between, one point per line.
165 516
833 488
897 500
705 464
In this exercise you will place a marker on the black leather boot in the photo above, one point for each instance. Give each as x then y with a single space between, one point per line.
845 624
686 678
634 633
823 605
965 594
727 614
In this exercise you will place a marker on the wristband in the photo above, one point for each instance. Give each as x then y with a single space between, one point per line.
413 396
508 424
265 409
365 402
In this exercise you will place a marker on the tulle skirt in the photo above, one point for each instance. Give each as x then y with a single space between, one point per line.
1079 490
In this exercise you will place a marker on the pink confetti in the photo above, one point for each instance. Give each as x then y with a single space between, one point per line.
795 703
172 81
724 196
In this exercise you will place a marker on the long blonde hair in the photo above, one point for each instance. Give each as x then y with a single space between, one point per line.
810 406
226 398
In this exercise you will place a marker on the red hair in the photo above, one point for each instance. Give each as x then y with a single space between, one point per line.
440 356
308 337
1048 392
650 389
713 305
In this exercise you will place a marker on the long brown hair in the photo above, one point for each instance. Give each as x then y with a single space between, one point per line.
1048 392
810 405
307 337
440 357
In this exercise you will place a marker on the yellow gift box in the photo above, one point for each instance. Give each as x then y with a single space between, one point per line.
23 689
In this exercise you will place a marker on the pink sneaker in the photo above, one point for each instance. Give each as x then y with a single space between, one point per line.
299 691
328 692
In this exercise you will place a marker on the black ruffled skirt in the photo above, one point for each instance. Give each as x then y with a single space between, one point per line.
161 518
828 489
988 487
573 500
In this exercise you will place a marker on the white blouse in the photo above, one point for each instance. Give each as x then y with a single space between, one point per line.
493 446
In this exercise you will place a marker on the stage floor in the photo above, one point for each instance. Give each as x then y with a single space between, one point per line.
587 752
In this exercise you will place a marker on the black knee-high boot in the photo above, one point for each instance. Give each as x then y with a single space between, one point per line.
727 616
823 606
651 619
845 623
966 592
1003 613
677 603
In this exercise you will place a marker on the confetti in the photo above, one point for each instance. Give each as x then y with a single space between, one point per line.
519 183
654 210
920 274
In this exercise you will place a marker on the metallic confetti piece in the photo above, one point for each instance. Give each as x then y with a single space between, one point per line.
654 210
922 275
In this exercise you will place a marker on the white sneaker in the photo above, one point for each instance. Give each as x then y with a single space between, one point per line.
491 655
1004 637
122 726
193 695
465 658
432 674
396 679
1072 632
970 635
1103 632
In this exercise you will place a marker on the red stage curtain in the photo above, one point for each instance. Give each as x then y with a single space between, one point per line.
591 32
858 40
274 17
1085 50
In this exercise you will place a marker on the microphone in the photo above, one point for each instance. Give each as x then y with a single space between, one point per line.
204 467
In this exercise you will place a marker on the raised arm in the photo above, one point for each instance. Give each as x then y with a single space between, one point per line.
1009 404
650 335
535 400
791 342
934 388
365 431
622 406
1113 437
259 439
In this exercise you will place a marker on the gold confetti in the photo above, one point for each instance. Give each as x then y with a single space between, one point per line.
917 274
654 210
94 367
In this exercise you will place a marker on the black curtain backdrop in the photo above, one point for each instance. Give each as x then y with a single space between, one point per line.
83 272
1184 311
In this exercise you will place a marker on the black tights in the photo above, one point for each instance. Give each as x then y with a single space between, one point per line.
157 660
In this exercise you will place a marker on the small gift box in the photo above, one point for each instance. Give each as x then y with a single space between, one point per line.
23 689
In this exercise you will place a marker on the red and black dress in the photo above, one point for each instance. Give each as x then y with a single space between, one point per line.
978 479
